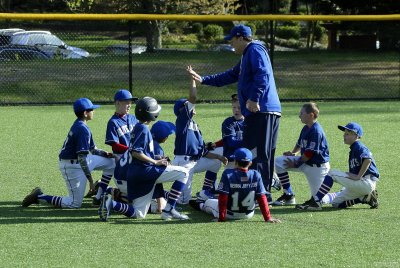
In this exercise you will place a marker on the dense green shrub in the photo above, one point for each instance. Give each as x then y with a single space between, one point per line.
288 32
197 28
213 32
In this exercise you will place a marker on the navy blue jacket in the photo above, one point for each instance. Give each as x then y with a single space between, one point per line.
255 79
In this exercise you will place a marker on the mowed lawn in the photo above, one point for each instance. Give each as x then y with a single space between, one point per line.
31 138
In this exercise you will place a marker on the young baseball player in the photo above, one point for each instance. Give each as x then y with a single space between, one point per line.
359 183
144 171
190 151
313 160
78 157
118 132
238 189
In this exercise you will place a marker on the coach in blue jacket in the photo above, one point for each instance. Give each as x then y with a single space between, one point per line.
258 98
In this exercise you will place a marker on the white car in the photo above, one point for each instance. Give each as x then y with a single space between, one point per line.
45 41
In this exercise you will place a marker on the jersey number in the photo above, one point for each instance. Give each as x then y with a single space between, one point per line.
248 201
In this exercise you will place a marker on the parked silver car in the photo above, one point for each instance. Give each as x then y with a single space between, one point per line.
44 40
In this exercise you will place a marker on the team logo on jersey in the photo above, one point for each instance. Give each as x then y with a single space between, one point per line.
312 145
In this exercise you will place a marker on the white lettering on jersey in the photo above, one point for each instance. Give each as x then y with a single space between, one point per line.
122 131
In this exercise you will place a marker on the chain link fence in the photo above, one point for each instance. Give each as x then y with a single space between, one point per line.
59 62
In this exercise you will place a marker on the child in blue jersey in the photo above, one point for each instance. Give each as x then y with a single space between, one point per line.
359 182
118 132
313 160
145 170
190 151
238 189
78 157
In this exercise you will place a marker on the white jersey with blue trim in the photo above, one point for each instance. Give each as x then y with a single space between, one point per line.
188 140
119 129
79 140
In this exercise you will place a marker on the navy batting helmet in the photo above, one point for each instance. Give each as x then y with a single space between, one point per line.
178 105
147 109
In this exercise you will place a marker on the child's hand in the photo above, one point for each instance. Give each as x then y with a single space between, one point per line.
194 75
288 153
272 220
223 159
161 162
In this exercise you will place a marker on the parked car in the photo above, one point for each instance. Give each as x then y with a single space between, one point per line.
5 35
123 49
45 40
223 47
20 53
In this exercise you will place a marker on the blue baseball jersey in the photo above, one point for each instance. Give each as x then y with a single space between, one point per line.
242 188
359 152
158 151
232 136
142 175
313 139
255 79
188 138
119 129
121 167
79 140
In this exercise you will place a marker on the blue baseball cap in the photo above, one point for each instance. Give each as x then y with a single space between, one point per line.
124 94
161 129
239 30
178 105
352 126
243 154
84 104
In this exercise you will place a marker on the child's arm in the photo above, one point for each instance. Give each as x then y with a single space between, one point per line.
221 158
193 90
363 169
102 153
263 202
85 168
222 206
144 158
295 150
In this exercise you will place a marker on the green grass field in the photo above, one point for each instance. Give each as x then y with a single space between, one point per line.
31 138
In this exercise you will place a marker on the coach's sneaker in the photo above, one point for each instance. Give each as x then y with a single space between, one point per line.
284 200
310 205
173 214
372 199
32 198
105 206
196 204
204 195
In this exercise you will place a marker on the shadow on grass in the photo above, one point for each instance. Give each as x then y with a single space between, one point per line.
11 212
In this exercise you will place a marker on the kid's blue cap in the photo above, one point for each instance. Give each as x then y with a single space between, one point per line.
243 154
178 105
84 104
239 30
161 129
124 94
352 126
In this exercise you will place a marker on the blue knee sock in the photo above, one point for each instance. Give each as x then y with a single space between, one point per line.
53 200
324 188
175 192
349 203
126 209
209 180
285 183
